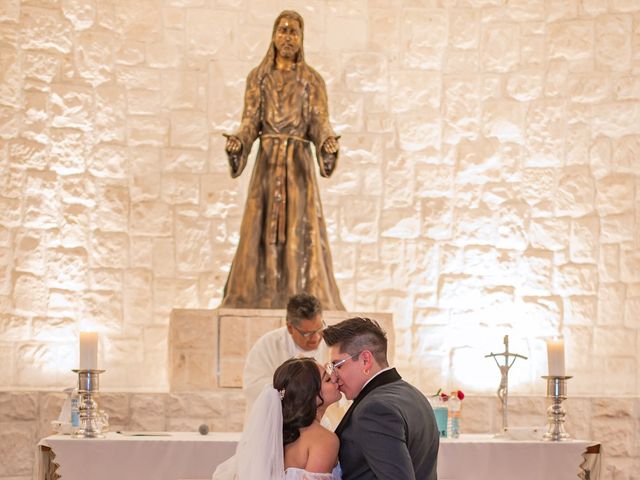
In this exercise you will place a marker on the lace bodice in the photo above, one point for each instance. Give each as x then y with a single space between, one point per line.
300 474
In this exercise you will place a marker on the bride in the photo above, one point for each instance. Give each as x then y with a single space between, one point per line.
283 438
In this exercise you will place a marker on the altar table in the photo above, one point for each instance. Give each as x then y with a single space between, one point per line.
187 456
164 456
485 457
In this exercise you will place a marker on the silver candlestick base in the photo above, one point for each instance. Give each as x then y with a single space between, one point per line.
557 392
88 387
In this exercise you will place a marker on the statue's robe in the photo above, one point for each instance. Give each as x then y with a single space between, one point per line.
283 248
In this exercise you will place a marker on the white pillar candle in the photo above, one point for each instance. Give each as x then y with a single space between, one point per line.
88 351
555 357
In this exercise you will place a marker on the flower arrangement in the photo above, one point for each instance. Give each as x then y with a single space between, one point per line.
459 394
446 408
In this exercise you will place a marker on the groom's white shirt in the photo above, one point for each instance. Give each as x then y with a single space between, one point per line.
267 354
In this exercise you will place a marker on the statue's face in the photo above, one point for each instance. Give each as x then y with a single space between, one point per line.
288 38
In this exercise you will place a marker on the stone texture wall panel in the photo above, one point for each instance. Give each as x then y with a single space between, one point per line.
148 131
139 20
11 85
103 307
150 218
94 57
613 45
9 35
615 194
617 229
630 265
145 178
209 33
436 218
616 119
35 362
572 40
461 61
10 11
131 53
577 144
141 252
347 111
589 88
626 154
584 240
617 434
28 154
9 119
181 189
44 29
71 106
17 439
611 301
138 77
109 118
52 328
189 130
535 271
499 47
343 31
576 192
109 161
144 102
418 131
193 245
600 157
632 312
81 13
383 32
182 89
67 268
178 160
137 296
358 221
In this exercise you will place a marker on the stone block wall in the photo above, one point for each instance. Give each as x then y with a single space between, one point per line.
487 185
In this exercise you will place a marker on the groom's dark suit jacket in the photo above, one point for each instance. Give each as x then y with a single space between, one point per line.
389 432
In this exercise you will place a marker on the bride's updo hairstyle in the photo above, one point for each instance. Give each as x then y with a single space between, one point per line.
299 383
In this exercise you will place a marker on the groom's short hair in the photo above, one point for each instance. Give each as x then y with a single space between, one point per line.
357 334
302 307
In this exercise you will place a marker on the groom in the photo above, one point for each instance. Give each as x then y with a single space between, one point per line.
389 432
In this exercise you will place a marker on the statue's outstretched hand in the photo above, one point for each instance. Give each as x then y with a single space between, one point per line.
330 149
234 145
233 148
331 145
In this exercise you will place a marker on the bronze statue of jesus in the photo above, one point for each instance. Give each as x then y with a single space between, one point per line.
283 247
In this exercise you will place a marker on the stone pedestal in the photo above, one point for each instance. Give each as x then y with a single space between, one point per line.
207 348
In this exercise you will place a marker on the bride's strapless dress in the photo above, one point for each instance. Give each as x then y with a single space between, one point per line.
300 474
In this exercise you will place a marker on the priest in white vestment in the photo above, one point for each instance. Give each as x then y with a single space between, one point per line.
302 336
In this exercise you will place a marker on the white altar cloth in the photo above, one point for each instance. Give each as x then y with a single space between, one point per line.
187 456
483 457
172 456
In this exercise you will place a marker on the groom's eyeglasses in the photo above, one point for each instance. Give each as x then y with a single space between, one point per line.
333 367
304 334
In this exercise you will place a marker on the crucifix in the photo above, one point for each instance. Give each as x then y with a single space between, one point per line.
503 389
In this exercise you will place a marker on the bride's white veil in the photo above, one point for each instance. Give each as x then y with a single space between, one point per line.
260 453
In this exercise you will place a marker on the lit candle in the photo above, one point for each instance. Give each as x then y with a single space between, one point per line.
88 351
555 357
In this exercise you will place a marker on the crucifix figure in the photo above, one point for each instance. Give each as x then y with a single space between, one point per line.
503 389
